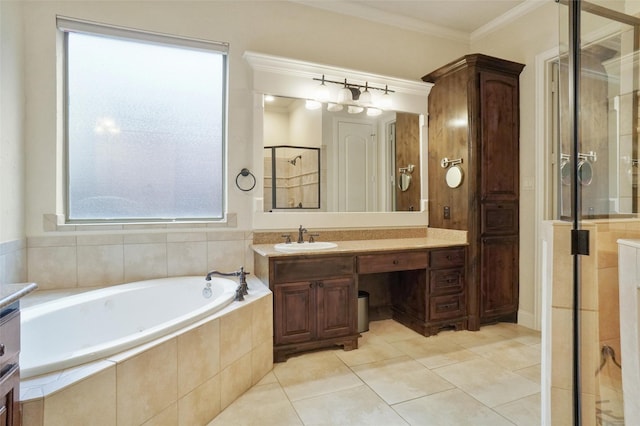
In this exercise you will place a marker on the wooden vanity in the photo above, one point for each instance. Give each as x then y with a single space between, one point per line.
315 294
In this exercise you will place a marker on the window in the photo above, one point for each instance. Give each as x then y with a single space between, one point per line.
145 125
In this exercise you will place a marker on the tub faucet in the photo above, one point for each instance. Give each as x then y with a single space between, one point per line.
242 285
301 231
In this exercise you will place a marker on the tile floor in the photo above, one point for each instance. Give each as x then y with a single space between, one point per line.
398 377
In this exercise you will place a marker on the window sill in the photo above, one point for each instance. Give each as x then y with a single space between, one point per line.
56 223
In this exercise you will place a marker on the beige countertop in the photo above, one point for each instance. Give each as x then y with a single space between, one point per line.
9 293
363 246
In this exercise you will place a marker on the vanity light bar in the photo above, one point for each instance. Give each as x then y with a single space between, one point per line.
348 85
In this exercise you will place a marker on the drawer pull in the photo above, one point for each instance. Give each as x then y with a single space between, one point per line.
395 261
310 285
2 349
321 284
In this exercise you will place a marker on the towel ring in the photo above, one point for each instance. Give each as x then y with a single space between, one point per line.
245 172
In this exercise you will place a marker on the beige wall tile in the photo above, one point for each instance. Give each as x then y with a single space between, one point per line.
561 348
167 417
262 320
100 265
225 256
201 405
235 380
33 413
235 335
52 267
90 401
186 258
198 356
608 304
261 360
147 383
562 289
144 261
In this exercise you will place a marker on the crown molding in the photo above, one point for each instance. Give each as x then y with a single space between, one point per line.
374 15
527 7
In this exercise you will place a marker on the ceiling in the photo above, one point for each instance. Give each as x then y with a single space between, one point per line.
456 19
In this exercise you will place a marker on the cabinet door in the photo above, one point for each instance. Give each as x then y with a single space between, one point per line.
336 307
499 116
499 278
294 312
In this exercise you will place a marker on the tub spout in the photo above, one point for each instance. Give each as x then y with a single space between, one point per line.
242 285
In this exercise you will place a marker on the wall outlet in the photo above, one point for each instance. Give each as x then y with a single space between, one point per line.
447 212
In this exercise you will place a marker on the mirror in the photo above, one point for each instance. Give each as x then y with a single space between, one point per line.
454 176
291 177
360 155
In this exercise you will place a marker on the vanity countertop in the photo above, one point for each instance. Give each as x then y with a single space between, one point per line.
9 293
363 246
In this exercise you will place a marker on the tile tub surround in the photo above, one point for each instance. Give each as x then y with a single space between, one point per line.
64 261
184 378
13 261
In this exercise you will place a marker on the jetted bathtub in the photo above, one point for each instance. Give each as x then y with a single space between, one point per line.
85 327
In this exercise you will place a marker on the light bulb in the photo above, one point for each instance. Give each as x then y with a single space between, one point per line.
373 112
334 107
355 109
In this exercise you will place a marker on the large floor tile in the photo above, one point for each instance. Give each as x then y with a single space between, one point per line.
401 379
488 382
449 408
357 406
391 331
314 374
435 351
262 405
509 354
371 348
523 412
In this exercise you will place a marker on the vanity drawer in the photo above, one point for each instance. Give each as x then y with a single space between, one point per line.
446 307
402 261
9 338
311 269
447 258
446 280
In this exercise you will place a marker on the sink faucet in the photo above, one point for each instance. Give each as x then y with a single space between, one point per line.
301 231
242 286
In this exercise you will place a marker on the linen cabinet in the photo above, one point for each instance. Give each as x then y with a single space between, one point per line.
474 129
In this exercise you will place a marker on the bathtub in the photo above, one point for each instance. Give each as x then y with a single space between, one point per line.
85 327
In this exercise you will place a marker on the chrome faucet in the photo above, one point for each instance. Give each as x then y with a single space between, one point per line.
301 231
242 285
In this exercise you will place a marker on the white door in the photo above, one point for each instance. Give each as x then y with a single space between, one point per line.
356 167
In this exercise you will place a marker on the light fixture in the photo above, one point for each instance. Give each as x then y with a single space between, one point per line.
374 112
353 109
334 107
365 96
353 94
311 104
269 98
345 95
386 102
322 92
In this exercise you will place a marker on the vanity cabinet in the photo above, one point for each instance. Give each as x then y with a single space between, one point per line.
428 287
315 303
474 117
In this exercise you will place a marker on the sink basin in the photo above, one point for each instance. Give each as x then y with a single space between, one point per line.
306 246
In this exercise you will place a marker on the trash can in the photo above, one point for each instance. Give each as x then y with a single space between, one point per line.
363 311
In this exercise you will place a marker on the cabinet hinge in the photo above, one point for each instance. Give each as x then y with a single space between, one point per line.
580 242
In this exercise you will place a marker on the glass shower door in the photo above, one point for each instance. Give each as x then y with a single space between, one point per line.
598 127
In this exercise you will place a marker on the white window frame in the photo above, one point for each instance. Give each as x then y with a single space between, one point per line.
66 25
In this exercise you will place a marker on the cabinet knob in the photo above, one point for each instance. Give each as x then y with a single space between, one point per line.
395 261
311 285
320 284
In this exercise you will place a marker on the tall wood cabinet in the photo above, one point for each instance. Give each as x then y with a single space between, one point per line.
474 117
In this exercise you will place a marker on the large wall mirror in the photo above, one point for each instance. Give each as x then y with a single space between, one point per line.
372 160
368 163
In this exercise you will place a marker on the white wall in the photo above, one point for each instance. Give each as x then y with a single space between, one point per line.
12 209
